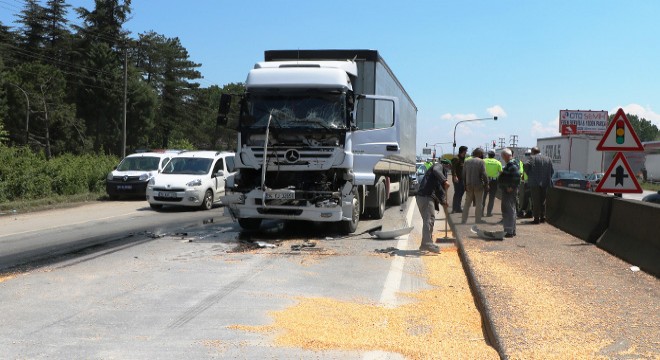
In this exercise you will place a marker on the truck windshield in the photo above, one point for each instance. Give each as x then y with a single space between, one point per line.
303 110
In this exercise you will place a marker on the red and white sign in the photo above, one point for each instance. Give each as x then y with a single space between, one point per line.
620 135
619 178
568 129
585 121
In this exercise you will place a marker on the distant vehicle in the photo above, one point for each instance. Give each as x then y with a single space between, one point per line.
131 176
416 178
571 179
191 178
594 179
652 198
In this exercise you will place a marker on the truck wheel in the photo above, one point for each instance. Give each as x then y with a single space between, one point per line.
378 211
249 223
406 188
207 202
398 197
350 226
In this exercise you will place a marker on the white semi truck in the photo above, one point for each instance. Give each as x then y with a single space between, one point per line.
323 135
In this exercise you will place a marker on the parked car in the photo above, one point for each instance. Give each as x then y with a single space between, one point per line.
571 179
417 177
594 179
131 176
191 178
652 198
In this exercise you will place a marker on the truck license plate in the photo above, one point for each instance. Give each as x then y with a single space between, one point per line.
167 194
289 195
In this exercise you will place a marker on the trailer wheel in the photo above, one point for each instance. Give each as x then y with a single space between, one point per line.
350 226
378 211
249 223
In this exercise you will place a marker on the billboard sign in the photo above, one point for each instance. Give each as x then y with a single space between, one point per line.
584 121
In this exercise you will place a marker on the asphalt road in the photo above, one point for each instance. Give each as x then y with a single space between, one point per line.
127 282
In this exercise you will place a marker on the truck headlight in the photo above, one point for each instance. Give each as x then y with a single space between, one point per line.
196 182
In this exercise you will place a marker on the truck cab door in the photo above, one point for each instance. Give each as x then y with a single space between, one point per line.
374 139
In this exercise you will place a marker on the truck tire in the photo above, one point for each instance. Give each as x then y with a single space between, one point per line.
399 197
378 211
349 227
249 223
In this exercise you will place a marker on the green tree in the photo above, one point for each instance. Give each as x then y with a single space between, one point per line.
165 65
57 34
53 126
99 85
645 130
33 32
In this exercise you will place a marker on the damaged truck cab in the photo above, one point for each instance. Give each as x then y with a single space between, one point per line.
323 135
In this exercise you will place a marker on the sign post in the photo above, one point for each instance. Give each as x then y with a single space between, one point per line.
619 136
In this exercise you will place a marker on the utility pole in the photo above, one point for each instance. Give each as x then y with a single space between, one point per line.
514 140
502 142
123 144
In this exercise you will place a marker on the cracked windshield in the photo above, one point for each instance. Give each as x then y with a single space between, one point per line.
296 111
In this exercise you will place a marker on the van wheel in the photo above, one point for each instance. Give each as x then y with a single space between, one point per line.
207 202
350 226
249 223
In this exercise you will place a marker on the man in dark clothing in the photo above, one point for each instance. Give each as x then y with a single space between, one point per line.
508 181
457 179
539 170
431 194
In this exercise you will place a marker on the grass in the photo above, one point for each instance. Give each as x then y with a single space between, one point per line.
650 186
54 202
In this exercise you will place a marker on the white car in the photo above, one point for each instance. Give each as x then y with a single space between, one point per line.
131 176
191 178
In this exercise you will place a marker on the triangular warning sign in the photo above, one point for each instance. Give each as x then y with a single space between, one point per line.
620 135
619 178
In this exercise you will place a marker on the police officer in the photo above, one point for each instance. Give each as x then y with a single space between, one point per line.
493 170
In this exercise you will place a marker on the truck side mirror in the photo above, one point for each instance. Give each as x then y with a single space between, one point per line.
223 110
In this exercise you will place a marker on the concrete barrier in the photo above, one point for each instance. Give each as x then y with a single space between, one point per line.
634 234
580 213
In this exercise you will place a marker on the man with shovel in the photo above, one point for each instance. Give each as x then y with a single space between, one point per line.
431 194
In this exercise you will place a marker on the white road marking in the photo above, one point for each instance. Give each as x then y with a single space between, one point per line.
393 284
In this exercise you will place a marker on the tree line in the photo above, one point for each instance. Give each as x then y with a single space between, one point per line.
64 85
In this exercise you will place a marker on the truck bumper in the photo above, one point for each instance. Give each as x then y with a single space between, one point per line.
250 205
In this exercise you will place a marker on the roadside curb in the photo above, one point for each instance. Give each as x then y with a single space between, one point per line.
482 303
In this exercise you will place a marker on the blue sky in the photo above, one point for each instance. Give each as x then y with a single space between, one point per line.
522 61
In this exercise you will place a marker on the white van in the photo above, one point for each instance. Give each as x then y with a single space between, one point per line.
191 178
131 176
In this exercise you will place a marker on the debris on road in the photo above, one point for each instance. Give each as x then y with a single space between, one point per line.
390 250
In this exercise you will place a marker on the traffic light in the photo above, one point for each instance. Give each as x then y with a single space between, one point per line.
620 132
494 145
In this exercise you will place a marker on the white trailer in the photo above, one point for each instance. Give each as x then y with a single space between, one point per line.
323 135
573 152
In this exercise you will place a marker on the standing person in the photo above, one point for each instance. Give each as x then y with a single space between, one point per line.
525 209
539 170
476 182
509 181
431 194
493 170
457 178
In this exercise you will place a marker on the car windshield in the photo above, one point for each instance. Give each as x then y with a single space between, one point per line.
301 110
141 163
421 169
188 165
569 175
